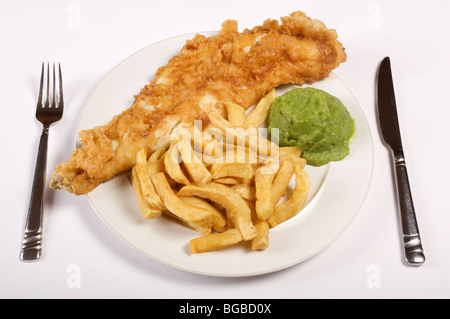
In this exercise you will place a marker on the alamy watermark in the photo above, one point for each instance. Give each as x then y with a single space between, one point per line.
374 18
374 279
74 278
74 16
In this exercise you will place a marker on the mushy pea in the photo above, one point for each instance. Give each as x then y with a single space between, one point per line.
315 121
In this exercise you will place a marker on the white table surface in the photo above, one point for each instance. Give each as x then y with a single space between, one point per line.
90 37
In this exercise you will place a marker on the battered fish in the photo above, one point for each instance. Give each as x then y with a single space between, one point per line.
240 67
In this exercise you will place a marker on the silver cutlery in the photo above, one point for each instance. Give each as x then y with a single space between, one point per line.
49 110
390 130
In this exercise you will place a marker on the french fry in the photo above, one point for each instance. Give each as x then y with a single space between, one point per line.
148 190
227 180
299 160
248 137
207 161
246 181
220 224
296 201
204 230
172 165
156 166
197 139
295 160
240 170
156 155
193 164
281 180
147 211
290 150
212 142
261 241
216 242
263 193
236 113
237 154
234 136
235 207
264 147
188 213
219 122
246 191
259 114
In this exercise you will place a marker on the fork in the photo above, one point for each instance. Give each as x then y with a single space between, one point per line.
49 110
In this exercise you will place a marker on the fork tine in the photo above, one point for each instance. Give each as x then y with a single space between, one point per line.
41 86
61 100
54 87
48 86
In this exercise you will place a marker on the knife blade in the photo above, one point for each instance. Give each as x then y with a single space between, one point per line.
390 131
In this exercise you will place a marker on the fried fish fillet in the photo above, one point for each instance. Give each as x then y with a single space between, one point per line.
236 66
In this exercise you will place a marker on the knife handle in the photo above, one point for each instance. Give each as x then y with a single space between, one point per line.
411 237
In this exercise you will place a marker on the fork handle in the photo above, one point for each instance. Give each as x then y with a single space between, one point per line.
32 241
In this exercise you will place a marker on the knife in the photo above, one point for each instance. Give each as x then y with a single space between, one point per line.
390 131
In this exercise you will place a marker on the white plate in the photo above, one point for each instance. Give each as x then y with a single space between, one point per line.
337 192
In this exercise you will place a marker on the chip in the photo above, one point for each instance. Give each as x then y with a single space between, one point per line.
220 223
240 170
236 113
215 242
193 164
296 201
147 211
193 215
172 165
234 205
281 181
261 241
259 114
246 191
148 190
263 193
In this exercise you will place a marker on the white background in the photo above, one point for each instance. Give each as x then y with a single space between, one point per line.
90 37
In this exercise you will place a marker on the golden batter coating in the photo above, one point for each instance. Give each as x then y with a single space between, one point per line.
237 66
